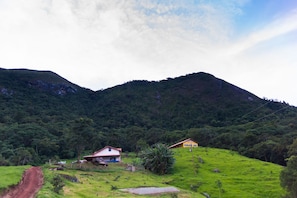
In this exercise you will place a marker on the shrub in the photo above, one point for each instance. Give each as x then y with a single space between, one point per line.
158 159
58 183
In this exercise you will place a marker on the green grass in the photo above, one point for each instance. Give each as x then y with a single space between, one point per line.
47 189
240 177
11 175
99 181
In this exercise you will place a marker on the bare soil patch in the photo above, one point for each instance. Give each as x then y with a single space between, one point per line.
30 184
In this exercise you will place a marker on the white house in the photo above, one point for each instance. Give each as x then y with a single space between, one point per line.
106 154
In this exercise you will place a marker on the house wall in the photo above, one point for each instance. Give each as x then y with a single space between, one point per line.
190 144
112 158
108 152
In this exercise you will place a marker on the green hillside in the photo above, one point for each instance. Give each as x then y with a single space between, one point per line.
239 176
193 174
39 109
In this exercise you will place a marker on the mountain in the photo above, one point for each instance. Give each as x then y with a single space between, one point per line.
38 110
42 80
27 94
185 102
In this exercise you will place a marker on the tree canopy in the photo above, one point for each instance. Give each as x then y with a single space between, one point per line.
288 177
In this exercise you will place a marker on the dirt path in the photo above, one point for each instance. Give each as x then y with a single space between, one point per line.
31 182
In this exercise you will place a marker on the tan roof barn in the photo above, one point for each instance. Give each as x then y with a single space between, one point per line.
187 143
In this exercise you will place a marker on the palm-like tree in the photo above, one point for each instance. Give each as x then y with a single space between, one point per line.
158 159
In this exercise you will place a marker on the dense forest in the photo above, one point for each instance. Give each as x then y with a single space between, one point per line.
44 116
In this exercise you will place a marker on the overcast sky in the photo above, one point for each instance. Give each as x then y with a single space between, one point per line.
102 43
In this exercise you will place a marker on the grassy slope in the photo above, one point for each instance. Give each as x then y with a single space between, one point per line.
10 175
99 183
240 176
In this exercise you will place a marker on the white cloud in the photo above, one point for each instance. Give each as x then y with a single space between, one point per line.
278 27
107 40
99 43
264 62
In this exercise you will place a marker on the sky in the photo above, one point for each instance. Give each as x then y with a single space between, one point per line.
99 44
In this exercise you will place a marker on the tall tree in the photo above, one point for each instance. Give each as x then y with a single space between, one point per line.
81 135
293 148
22 156
288 177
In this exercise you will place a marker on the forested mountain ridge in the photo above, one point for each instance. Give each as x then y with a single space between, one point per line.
40 109
42 80
189 101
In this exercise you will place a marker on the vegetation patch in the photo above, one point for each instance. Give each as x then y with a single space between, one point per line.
10 176
69 178
225 174
238 176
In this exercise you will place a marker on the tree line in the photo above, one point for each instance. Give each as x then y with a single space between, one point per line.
32 143
37 124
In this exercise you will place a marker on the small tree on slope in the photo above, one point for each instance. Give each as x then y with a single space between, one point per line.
158 159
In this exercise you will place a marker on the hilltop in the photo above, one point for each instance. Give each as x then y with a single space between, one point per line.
42 80
38 109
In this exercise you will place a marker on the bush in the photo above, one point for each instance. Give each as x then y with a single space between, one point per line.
58 183
158 159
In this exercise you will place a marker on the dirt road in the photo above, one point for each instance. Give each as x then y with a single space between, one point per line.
31 182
